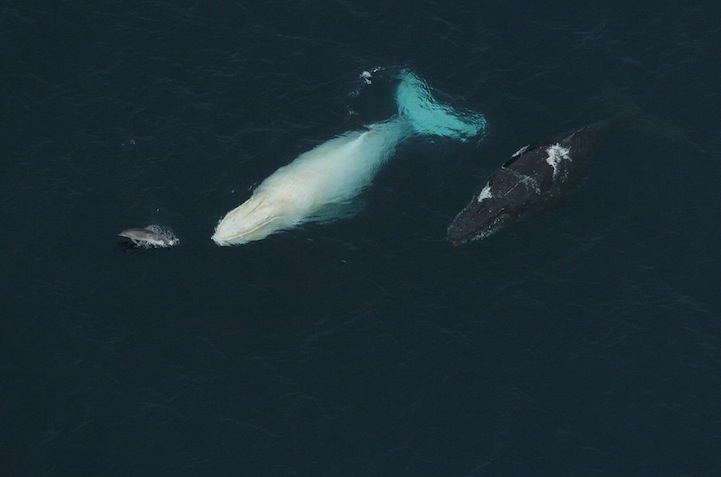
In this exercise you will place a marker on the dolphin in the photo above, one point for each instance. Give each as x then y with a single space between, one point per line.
152 236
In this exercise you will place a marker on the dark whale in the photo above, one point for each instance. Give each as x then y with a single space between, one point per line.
533 177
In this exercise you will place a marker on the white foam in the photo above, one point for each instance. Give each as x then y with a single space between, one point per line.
485 193
557 154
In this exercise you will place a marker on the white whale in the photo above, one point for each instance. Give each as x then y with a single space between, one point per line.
317 184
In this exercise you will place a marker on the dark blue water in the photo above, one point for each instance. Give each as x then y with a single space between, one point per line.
585 340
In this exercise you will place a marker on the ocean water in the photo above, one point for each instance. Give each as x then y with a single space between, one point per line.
582 341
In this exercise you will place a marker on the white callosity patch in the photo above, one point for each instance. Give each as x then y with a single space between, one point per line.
367 76
556 155
485 193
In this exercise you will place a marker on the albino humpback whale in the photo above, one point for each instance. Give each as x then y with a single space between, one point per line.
314 185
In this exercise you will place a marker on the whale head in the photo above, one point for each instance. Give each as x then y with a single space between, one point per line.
255 219
505 197
478 221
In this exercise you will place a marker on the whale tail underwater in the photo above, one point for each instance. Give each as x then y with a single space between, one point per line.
319 183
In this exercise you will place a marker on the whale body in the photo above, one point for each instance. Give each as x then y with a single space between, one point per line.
321 183
532 178
330 174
